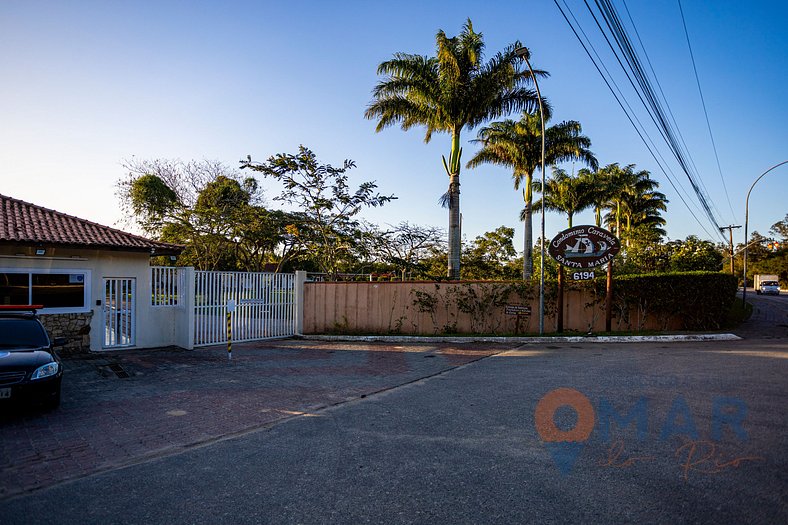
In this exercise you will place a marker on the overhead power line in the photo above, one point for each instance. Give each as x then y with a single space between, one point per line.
705 112
628 58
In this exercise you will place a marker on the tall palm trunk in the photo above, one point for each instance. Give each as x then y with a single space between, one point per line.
455 241
629 228
454 227
528 236
528 243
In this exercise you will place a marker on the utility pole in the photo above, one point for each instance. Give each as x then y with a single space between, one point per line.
730 230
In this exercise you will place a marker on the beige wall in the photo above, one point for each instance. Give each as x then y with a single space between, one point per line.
405 307
156 326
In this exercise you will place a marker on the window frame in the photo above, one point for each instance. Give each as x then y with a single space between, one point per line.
70 271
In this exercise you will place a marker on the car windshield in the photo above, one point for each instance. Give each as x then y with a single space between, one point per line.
21 333
770 283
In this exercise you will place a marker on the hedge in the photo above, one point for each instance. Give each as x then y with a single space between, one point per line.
701 300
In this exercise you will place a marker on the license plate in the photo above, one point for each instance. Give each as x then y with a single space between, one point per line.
5 393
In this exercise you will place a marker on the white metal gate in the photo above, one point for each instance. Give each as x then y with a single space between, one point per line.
264 306
120 324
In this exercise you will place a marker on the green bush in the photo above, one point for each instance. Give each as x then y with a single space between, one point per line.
701 300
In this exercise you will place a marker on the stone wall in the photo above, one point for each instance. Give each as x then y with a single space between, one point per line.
74 327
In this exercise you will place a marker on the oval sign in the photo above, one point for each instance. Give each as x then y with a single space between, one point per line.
584 247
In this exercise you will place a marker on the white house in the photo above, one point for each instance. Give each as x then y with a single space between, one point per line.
94 282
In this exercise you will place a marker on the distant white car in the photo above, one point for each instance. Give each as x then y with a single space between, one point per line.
770 287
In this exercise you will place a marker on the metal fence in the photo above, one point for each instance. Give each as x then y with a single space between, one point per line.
166 282
265 306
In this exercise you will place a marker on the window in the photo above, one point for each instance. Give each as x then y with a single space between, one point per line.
59 290
14 288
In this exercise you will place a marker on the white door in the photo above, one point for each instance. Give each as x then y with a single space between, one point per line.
120 323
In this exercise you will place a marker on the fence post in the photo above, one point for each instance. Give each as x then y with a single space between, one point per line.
188 302
300 279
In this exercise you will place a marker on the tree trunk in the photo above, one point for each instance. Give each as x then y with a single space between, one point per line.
455 233
455 242
528 243
629 228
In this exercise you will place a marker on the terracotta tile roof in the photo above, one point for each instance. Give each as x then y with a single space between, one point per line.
25 223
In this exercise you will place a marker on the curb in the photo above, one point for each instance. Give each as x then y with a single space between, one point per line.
526 340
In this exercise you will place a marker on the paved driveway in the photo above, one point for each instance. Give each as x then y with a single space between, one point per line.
122 408
314 432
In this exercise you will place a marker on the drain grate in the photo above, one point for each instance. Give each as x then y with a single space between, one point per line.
118 370
113 369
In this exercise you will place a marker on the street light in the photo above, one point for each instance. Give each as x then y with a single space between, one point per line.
746 218
522 52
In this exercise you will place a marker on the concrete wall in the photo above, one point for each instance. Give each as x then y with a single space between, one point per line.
427 308
156 326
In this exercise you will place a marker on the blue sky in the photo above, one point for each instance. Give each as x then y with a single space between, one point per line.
88 84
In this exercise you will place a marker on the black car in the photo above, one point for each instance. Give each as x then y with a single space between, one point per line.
30 370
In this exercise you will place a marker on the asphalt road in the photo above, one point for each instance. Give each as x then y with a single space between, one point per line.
463 446
769 316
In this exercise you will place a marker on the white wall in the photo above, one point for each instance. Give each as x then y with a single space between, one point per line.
156 326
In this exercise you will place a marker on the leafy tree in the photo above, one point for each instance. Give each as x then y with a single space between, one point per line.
433 267
646 258
565 193
490 256
154 191
268 236
694 254
329 231
780 229
404 246
453 90
633 198
208 208
518 145
761 259
151 201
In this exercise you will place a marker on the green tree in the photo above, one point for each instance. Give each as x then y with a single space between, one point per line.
328 207
565 194
695 254
635 200
207 207
267 236
490 256
453 90
404 246
780 229
518 145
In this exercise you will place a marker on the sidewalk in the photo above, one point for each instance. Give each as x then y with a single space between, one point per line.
125 407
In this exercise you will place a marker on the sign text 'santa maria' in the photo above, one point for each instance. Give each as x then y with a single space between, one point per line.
584 247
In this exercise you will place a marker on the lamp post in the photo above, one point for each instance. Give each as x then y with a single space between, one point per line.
522 52
746 219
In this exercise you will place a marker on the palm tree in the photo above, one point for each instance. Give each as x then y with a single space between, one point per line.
634 198
565 194
448 92
602 191
518 145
